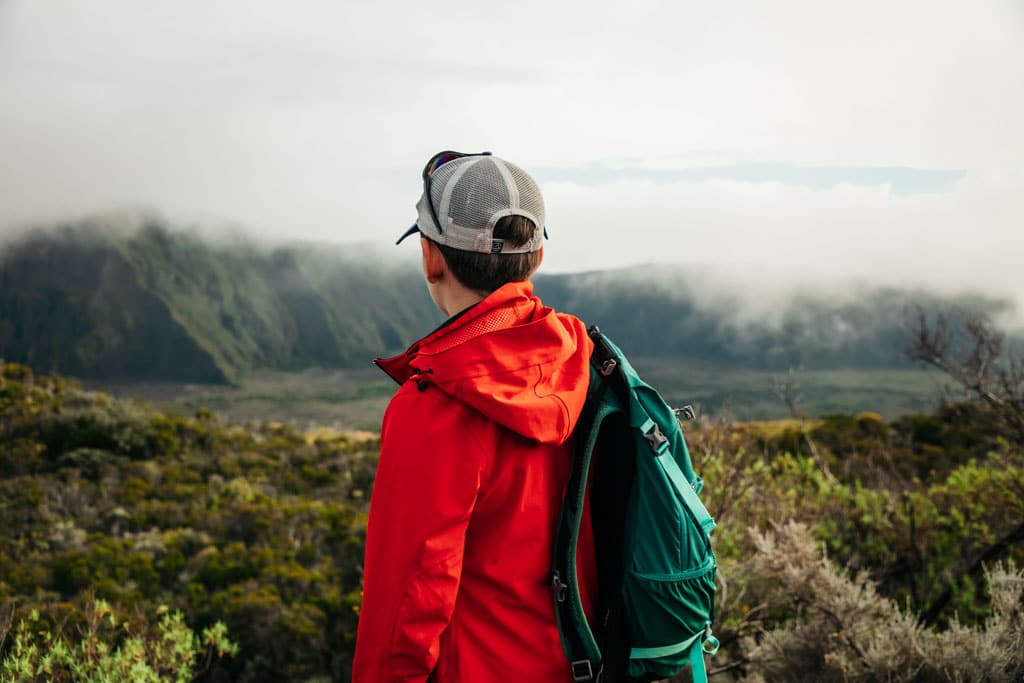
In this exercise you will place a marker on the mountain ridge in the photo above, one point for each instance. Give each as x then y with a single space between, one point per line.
209 312
156 302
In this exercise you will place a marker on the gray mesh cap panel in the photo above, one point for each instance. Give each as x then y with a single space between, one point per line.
470 195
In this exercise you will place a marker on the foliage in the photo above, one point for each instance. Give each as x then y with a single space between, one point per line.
262 527
969 350
903 537
838 627
108 652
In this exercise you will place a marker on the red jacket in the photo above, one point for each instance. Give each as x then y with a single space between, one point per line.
473 467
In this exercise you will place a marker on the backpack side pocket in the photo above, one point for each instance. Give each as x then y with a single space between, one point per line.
670 615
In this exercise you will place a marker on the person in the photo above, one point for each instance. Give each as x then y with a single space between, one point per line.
475 448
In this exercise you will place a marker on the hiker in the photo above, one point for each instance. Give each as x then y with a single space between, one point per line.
475 449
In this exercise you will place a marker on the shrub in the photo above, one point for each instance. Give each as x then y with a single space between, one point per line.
108 652
822 624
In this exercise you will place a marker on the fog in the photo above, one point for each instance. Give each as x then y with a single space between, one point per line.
885 137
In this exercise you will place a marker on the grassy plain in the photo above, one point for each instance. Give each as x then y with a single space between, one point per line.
355 399
315 398
748 394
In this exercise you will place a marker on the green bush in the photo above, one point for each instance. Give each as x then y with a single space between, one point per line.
108 652
263 528
817 622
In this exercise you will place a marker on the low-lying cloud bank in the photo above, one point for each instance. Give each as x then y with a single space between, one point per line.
775 237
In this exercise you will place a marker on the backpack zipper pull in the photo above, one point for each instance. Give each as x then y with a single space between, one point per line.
686 412
558 587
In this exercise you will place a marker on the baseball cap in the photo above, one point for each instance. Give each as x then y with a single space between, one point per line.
465 195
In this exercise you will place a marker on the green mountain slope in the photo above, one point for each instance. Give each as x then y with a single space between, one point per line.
152 303
671 313
162 304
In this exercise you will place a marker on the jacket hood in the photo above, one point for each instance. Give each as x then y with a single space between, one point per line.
518 362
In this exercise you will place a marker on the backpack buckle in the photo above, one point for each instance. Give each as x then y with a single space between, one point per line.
558 586
608 367
582 670
657 440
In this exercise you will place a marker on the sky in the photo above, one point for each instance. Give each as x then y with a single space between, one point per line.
875 140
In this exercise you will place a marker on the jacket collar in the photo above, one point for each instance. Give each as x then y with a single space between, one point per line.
400 368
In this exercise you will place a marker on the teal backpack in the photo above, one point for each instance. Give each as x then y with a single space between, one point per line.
656 568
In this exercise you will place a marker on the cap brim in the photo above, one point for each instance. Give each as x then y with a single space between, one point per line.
411 231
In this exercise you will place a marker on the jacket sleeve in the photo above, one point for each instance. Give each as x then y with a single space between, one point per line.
425 489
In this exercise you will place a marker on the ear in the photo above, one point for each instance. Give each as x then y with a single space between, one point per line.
434 265
540 260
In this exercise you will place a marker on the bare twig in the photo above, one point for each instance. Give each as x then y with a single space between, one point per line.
993 552
974 364
726 667
788 390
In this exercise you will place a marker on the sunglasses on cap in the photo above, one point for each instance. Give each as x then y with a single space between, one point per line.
435 162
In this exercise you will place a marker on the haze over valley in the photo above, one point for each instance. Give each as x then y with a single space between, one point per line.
284 330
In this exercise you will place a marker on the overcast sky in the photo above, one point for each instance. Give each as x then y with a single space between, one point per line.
876 139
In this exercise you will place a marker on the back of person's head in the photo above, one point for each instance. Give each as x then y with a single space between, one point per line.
485 214
488 272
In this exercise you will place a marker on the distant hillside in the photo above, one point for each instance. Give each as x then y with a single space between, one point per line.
157 303
154 303
672 312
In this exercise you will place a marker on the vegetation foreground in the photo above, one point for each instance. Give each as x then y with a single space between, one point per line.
131 541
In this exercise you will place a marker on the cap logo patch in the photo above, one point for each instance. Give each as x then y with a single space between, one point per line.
497 246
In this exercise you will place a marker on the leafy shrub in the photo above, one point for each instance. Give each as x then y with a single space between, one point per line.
107 651
822 624
117 426
262 528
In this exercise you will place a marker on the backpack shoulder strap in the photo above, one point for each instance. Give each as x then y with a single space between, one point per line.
604 399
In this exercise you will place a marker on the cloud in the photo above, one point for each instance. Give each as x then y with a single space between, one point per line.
875 139
901 180
965 239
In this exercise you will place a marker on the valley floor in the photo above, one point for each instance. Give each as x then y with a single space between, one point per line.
355 399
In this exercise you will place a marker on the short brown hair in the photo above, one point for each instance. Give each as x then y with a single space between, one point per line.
488 272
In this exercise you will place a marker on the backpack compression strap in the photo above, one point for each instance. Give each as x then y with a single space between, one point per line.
668 463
